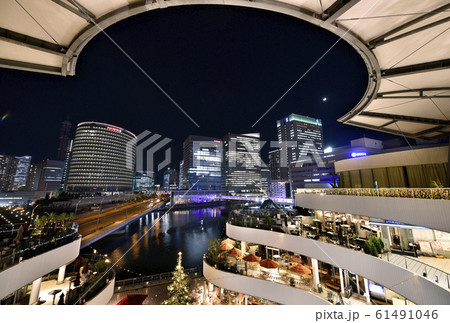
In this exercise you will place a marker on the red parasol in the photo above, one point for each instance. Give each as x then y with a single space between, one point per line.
252 258
79 260
132 299
296 259
269 264
234 251
228 240
226 246
300 269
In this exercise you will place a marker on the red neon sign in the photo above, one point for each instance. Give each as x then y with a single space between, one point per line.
114 129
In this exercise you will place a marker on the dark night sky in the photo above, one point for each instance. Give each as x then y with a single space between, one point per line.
225 66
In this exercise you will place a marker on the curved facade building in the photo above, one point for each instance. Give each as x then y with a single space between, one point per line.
102 160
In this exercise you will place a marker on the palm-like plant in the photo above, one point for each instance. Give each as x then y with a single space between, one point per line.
52 219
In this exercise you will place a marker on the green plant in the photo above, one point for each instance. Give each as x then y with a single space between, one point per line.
377 244
366 247
213 251
100 266
373 250
381 243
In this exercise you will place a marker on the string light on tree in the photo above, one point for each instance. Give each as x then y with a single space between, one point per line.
179 289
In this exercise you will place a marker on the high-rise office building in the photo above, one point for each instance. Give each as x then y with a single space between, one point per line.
34 174
202 163
64 135
8 165
242 162
265 180
102 159
298 136
276 171
170 179
22 168
143 182
51 175
66 166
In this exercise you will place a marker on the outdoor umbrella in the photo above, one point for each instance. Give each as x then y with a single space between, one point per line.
228 240
234 252
269 264
296 259
300 269
226 246
252 258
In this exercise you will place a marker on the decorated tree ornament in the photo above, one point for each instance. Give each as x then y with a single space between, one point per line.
179 289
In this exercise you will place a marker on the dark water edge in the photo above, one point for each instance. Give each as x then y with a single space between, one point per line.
151 244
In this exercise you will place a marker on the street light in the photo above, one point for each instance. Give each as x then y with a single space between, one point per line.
76 208
32 213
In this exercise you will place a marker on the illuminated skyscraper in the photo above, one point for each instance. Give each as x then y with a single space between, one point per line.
242 162
170 179
299 136
51 175
102 159
22 168
202 163
64 136
8 166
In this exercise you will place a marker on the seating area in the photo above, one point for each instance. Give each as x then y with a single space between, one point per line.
286 268
340 230
23 240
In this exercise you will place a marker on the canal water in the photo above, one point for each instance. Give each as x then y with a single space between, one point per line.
148 246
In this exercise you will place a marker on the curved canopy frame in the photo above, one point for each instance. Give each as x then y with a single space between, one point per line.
404 44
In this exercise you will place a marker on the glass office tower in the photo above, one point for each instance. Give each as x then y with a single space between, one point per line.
303 136
202 163
242 163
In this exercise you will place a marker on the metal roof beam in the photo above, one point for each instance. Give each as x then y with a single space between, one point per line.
337 9
398 117
392 132
410 23
31 42
381 42
386 124
73 10
435 129
30 67
82 8
420 91
419 96
417 68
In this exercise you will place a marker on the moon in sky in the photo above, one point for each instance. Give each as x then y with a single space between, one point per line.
324 99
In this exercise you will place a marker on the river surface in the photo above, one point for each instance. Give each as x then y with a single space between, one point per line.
151 244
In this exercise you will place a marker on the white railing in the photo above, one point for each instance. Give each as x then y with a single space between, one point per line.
420 193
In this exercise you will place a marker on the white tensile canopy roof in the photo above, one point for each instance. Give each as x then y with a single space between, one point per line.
405 45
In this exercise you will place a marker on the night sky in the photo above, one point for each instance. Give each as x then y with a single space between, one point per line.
225 66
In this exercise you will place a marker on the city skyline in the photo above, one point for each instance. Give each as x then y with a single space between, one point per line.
220 95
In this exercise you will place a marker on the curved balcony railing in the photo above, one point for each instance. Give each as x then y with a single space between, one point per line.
266 223
283 276
418 193
15 251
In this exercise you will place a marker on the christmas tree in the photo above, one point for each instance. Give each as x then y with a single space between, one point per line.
179 289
